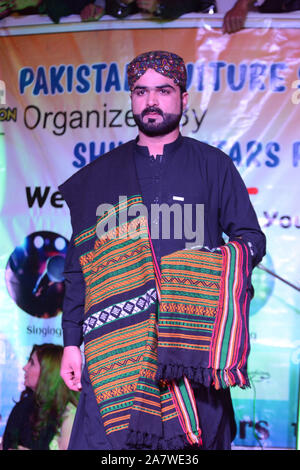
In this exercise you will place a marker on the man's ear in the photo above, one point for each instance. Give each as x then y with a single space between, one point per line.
185 99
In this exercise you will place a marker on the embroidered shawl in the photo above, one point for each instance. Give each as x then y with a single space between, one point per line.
151 336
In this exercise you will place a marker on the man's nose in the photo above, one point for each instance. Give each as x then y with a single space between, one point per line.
152 98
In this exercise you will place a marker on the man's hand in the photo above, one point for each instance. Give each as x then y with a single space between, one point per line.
147 5
235 18
70 369
91 12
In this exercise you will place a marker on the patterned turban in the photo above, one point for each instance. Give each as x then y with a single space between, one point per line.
166 63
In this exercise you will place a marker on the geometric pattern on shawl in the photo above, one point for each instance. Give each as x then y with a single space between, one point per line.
136 410
203 316
140 394
121 343
116 265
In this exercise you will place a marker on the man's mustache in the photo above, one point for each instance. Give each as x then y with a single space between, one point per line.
152 109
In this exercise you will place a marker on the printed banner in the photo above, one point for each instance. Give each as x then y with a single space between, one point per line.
65 102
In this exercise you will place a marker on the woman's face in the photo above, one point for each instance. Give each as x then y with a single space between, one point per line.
32 372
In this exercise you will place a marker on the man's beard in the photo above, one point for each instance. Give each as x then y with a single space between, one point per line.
151 128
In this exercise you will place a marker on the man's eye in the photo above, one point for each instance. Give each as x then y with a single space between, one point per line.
140 92
164 91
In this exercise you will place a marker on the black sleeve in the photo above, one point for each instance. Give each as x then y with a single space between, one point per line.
74 298
57 10
171 9
73 304
237 216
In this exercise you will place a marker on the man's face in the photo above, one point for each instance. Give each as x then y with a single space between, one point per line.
157 104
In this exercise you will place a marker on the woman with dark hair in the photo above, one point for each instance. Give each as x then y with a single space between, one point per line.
43 417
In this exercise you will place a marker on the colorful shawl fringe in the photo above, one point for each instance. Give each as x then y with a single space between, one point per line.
143 359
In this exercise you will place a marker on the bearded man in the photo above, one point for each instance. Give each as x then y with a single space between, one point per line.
159 300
